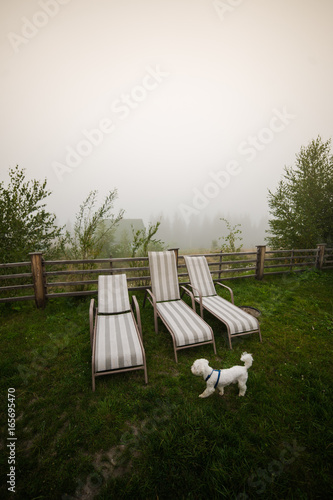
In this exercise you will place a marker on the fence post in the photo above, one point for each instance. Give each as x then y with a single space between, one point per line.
261 250
291 260
320 255
220 266
37 269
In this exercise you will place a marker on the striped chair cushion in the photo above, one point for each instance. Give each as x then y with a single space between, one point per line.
117 343
113 294
200 276
187 326
164 277
238 320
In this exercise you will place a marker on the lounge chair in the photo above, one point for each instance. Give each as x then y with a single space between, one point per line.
237 321
186 327
115 335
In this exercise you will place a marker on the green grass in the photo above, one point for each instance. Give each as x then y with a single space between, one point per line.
132 441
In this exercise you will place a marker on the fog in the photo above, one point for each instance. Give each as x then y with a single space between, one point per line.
189 108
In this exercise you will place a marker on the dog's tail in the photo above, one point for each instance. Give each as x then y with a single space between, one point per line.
247 359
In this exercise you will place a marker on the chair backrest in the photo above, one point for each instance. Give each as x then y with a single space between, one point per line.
200 276
113 294
164 277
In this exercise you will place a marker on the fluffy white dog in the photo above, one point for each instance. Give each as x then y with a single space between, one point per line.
221 378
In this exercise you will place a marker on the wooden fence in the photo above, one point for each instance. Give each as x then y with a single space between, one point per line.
47 279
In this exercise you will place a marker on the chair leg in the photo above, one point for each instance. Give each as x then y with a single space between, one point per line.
155 321
146 375
260 338
144 299
214 346
175 351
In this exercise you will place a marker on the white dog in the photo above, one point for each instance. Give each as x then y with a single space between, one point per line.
221 378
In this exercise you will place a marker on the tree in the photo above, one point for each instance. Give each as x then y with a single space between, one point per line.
302 206
25 225
93 226
229 244
144 241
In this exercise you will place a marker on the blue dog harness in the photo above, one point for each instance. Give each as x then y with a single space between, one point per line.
218 377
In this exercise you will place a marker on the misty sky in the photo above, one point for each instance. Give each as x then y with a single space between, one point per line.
187 107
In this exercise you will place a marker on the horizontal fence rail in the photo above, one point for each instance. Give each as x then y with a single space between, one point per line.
67 278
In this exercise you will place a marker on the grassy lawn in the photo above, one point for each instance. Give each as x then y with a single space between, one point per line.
129 440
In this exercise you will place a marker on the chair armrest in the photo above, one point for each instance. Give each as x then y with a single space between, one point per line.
230 290
190 294
91 319
195 290
145 298
200 298
137 312
152 298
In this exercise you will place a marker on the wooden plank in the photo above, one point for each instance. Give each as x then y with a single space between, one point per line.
234 270
117 270
246 261
15 287
14 276
16 299
94 261
15 264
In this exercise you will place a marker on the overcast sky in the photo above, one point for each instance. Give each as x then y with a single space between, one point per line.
187 107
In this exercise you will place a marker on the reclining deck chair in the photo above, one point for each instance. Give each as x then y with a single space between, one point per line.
186 327
115 335
237 321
